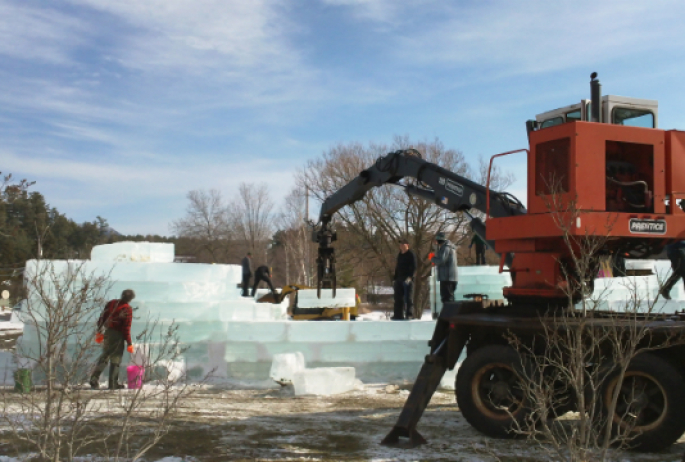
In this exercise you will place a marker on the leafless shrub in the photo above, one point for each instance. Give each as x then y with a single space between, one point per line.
61 418
585 351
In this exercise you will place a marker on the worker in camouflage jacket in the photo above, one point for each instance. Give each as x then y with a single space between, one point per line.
115 323
445 260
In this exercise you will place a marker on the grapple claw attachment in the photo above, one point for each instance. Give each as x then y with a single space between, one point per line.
325 269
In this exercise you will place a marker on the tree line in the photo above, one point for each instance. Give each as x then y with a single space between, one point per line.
32 229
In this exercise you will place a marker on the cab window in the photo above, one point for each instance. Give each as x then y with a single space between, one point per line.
633 117
552 122
573 116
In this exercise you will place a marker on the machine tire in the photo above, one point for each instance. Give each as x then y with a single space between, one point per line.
660 402
487 382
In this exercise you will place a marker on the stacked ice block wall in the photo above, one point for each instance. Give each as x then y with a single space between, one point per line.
236 337
639 292
485 280
201 298
379 351
612 293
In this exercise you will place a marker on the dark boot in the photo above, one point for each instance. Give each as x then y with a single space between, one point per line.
95 376
114 377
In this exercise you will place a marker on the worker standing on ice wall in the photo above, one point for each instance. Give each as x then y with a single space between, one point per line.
263 274
480 249
446 262
403 282
115 320
247 273
675 253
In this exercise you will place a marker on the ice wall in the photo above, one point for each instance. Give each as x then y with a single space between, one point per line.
612 293
472 280
203 299
639 292
235 337
380 351
134 251
308 298
184 292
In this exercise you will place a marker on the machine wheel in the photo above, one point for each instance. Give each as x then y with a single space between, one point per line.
651 403
489 391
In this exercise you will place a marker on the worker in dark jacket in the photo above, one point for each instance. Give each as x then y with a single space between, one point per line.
115 321
247 273
480 249
403 282
675 253
263 274
446 262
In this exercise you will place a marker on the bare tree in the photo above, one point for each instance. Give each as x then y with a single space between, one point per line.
500 179
206 225
295 236
251 214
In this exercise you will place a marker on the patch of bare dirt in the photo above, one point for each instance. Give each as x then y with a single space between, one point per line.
273 425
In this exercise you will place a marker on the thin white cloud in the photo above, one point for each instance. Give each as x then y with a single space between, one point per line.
538 37
35 33
382 11
146 81
204 33
504 38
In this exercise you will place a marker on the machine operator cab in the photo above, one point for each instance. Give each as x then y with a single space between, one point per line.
618 110
637 164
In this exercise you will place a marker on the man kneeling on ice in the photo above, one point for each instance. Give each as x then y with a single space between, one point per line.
115 320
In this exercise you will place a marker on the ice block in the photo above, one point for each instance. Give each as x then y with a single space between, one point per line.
324 381
285 366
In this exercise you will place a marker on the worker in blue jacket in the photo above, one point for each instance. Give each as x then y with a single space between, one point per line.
445 260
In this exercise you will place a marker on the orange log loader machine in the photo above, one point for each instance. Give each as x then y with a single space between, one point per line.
604 155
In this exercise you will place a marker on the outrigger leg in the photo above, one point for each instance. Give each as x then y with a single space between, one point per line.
446 345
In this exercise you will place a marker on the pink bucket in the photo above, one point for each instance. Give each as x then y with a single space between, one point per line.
135 376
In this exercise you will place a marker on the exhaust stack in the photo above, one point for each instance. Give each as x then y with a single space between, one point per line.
596 98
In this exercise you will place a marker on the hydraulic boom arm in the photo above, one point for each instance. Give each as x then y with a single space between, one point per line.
446 189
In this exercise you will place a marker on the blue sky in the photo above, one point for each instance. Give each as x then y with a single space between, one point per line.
118 108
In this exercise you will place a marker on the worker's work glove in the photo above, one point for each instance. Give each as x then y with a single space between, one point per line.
431 256
99 337
130 348
407 281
